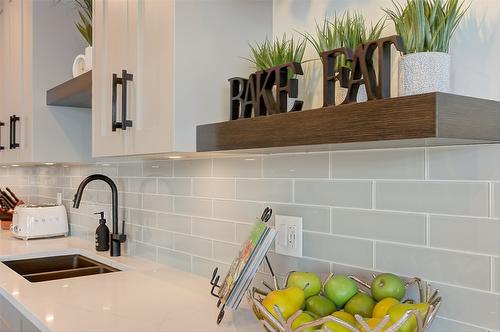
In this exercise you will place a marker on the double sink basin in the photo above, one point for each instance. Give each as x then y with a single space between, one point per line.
58 267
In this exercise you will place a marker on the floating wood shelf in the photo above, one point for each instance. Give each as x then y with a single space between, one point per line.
77 92
422 120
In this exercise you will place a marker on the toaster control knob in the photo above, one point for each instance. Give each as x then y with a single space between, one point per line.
15 229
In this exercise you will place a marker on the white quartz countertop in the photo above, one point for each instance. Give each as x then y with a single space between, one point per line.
143 297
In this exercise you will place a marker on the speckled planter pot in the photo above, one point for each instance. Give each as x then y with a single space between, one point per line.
424 72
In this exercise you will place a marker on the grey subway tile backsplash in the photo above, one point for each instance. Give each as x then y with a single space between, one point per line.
445 325
428 212
225 252
175 259
201 207
264 190
146 251
193 245
462 269
130 169
242 167
159 203
304 165
141 217
465 233
143 185
333 193
216 188
174 186
380 225
193 167
283 264
496 200
481 308
214 229
314 218
240 211
158 168
378 164
174 222
158 237
460 198
496 270
475 162
338 249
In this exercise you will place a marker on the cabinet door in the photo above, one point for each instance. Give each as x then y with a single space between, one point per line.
12 60
3 79
152 62
111 48
23 61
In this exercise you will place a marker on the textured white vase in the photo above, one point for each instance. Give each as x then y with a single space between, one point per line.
88 58
424 72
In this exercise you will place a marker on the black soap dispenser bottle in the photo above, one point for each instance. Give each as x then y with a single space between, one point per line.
102 234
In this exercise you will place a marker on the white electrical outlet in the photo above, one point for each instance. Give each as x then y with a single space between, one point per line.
289 235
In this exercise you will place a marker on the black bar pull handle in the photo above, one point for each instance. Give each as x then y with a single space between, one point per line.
1 125
125 77
13 120
114 124
123 81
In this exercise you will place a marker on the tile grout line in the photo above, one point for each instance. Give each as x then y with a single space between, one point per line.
426 164
428 230
492 274
373 193
491 199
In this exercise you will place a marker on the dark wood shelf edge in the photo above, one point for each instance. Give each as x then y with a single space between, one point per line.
421 120
76 92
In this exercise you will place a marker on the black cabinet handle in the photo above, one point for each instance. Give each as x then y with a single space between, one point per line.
123 81
13 120
1 125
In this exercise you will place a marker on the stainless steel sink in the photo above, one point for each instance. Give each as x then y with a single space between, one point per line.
57 267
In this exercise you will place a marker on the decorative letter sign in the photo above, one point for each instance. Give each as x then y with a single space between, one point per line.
266 92
377 85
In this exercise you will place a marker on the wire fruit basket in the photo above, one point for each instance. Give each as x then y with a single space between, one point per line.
280 324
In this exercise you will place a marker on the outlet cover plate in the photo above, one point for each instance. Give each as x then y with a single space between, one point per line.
289 235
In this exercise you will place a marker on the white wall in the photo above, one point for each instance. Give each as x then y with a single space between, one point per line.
475 48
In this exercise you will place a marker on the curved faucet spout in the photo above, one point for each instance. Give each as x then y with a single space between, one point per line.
116 238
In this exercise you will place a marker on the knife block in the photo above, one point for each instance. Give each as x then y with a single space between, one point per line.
6 219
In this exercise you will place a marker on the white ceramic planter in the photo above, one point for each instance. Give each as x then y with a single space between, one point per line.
88 58
424 72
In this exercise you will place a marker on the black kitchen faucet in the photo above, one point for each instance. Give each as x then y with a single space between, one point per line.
116 237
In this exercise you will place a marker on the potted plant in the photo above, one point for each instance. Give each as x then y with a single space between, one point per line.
273 53
348 30
84 26
426 28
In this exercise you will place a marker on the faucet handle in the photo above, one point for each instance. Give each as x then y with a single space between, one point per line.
120 237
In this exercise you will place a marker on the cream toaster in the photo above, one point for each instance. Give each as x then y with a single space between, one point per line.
39 221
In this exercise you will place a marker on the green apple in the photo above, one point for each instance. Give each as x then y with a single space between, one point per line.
308 281
340 289
302 319
361 304
388 285
398 310
320 305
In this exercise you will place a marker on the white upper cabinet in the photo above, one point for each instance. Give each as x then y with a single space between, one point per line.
178 57
38 42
